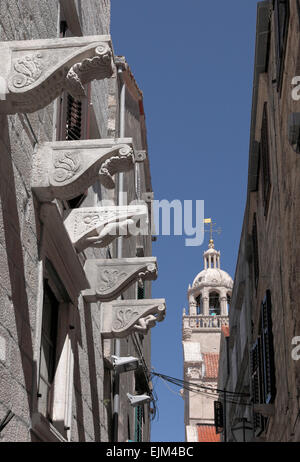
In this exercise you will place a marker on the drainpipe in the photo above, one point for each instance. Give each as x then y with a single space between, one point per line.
116 386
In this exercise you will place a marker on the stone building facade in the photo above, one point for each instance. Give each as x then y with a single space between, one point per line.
264 318
209 298
75 278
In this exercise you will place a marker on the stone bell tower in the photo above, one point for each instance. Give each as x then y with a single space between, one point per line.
209 301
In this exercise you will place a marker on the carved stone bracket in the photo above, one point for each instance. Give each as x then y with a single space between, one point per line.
57 247
65 169
109 278
99 226
123 317
34 72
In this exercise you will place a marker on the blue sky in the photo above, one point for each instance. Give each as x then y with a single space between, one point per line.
194 62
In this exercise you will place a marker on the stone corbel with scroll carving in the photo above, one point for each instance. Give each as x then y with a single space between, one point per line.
109 278
123 317
34 72
65 169
99 226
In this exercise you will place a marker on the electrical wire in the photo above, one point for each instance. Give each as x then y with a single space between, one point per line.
180 382
147 375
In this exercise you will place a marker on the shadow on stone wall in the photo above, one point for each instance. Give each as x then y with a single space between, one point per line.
77 341
92 371
15 283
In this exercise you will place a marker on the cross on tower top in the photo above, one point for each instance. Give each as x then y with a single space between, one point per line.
211 230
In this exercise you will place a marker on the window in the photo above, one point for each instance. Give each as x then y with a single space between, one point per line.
282 15
267 349
56 357
214 304
73 124
262 364
48 351
72 130
255 251
199 301
141 291
228 300
72 117
265 158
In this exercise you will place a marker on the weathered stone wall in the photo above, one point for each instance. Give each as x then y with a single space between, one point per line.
278 245
20 243
18 230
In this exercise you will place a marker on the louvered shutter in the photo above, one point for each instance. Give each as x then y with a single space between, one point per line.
264 152
73 118
257 385
282 15
218 412
73 131
255 251
141 292
268 350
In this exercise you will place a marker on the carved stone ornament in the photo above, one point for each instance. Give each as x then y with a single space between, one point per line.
65 169
187 334
57 247
34 72
99 226
109 278
123 317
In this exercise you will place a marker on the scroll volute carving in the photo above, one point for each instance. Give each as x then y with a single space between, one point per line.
123 317
99 226
65 169
109 278
34 72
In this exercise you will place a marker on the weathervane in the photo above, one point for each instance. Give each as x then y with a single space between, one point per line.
211 229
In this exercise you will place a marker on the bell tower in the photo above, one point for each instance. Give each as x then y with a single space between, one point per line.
208 306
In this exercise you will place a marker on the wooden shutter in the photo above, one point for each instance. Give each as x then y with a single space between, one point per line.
268 350
73 119
264 152
282 15
48 351
218 412
73 131
255 251
257 385
139 417
141 292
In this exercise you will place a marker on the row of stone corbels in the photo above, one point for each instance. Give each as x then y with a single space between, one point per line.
223 292
102 280
63 170
33 73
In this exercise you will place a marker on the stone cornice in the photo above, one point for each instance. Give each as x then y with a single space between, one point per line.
34 72
65 169
123 317
99 226
109 278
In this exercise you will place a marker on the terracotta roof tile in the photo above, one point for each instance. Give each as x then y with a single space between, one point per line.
207 434
211 361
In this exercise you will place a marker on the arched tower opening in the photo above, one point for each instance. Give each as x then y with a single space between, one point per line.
214 304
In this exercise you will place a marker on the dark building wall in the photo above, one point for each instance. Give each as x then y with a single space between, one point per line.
21 267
